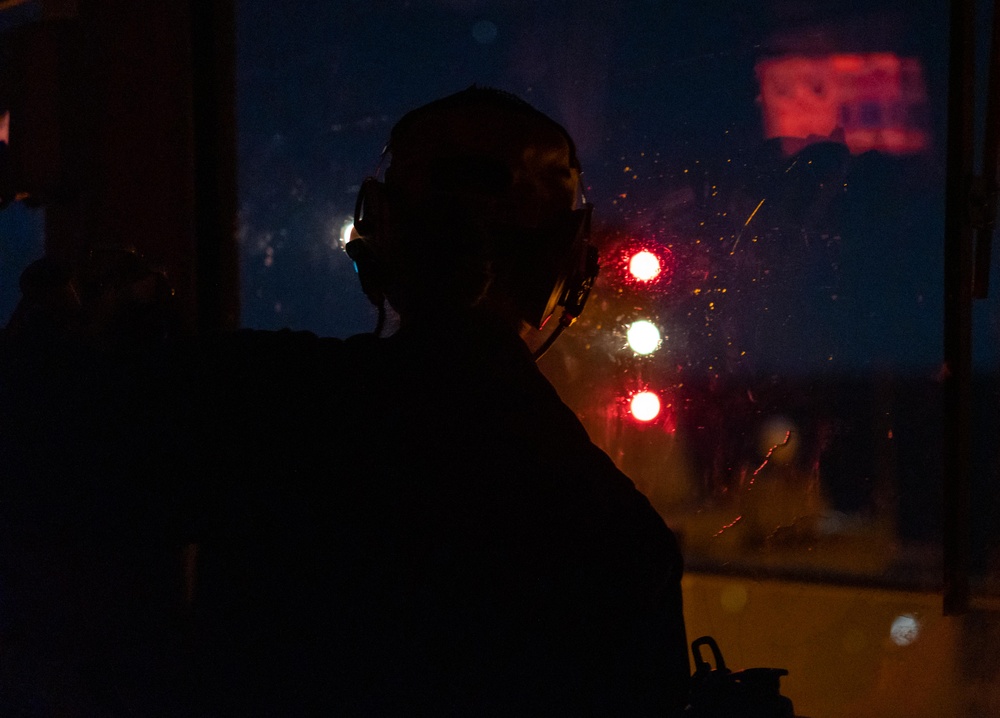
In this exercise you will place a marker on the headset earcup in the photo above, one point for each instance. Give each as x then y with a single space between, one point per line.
369 270
371 210
371 222
584 264
564 273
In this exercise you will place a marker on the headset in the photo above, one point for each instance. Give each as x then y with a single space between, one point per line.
371 222
559 270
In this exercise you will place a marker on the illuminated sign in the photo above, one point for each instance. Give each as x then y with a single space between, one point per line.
868 101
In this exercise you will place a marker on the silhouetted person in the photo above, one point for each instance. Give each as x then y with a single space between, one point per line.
414 525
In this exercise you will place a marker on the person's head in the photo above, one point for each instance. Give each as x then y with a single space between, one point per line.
478 208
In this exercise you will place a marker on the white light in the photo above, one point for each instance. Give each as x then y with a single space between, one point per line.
905 630
644 266
347 232
643 337
645 406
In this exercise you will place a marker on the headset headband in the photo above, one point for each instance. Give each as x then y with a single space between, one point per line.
560 267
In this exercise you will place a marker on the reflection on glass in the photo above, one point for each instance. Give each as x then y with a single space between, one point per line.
905 630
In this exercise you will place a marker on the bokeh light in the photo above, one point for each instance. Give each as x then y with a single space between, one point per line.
645 405
643 337
644 266
347 232
485 32
905 629
733 597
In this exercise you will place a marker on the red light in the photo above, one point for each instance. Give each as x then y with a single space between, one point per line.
644 406
644 266
649 408
867 101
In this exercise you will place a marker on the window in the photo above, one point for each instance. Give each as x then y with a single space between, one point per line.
21 228
762 353
798 214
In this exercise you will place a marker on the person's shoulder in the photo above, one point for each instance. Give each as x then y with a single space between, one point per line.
280 340
293 340
258 347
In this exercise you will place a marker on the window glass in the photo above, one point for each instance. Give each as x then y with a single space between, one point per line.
762 351
985 419
22 241
985 515
22 237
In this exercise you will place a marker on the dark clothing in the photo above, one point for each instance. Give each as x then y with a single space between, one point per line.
408 526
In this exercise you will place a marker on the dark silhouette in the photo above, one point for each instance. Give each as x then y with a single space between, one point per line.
411 525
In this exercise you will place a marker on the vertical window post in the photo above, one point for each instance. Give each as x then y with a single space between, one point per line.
958 264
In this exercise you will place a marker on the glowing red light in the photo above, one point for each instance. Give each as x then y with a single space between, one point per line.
644 406
867 101
644 266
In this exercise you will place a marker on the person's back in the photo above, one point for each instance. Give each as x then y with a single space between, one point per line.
542 582
415 524
458 546
477 553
